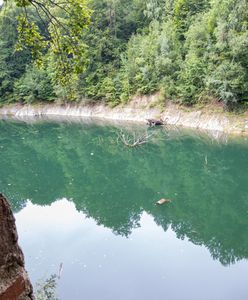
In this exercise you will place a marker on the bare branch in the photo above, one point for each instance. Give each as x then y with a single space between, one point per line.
134 139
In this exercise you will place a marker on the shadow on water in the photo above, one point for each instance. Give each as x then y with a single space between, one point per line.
206 180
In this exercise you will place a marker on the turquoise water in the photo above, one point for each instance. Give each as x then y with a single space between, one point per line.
83 199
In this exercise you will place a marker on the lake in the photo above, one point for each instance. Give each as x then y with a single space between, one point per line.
85 209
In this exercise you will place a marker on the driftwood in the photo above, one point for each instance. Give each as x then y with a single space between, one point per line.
134 139
163 201
154 122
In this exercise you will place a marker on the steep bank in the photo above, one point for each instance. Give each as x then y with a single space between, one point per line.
14 282
138 110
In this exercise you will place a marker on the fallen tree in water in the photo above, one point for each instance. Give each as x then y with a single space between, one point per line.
134 139
14 281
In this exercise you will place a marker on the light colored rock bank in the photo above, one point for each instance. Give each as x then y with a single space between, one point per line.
138 110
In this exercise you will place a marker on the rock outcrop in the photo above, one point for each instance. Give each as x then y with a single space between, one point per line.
14 282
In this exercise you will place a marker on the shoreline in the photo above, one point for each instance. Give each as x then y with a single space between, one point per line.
138 110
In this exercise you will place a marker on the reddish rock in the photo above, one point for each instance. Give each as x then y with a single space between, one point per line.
14 282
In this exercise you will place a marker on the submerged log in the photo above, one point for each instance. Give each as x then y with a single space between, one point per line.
14 282
154 122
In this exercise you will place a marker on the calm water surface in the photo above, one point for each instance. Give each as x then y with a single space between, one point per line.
85 200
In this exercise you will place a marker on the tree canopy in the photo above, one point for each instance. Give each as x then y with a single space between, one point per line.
190 51
55 27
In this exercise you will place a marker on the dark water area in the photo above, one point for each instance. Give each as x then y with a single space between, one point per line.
83 199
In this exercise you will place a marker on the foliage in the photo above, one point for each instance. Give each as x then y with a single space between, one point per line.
113 23
46 290
34 85
63 25
152 57
12 64
190 50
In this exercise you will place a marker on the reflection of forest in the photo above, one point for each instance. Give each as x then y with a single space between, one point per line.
206 181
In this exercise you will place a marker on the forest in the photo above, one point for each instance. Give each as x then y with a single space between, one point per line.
189 51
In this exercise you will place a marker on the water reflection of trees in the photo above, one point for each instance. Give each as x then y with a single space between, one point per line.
114 185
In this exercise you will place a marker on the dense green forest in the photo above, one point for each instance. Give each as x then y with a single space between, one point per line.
191 51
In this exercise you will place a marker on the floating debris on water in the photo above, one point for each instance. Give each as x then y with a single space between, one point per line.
163 201
60 270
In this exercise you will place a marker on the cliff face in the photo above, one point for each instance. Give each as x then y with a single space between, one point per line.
14 282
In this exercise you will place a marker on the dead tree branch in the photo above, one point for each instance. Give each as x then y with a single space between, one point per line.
134 139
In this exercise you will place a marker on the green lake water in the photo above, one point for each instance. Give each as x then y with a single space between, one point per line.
83 199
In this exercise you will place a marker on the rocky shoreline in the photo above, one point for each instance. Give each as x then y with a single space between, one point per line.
138 110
